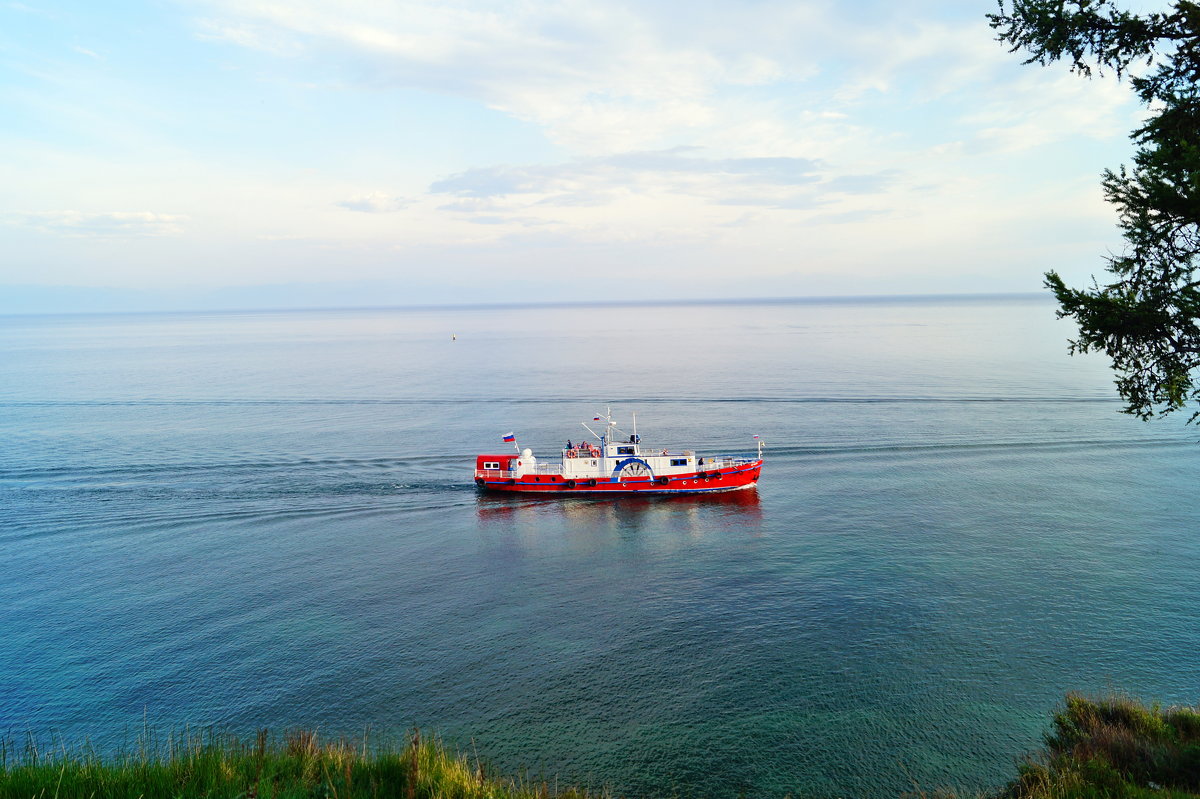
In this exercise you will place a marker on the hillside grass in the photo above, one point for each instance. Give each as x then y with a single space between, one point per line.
1107 748
1114 748
298 765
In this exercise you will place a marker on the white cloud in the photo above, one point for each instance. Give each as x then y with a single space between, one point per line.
597 78
107 224
1039 109
600 79
24 9
676 176
375 202
678 169
780 135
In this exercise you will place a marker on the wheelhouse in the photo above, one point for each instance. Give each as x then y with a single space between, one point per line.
495 464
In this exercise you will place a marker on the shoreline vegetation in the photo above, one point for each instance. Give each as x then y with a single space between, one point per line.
216 766
1107 748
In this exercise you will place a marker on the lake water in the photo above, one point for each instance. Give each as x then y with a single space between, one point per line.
252 520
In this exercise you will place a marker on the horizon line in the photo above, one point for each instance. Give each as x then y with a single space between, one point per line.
813 299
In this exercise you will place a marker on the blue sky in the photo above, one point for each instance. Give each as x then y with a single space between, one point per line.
232 153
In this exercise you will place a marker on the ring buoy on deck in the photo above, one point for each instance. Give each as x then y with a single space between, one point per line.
572 453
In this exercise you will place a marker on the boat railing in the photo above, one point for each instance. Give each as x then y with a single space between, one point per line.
505 474
494 474
725 462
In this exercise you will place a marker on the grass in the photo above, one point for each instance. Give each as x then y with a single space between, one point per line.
1115 748
299 765
1109 748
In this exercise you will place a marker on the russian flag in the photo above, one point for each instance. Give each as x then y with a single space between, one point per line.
510 438
595 418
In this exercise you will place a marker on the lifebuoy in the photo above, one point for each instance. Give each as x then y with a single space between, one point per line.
595 451
571 453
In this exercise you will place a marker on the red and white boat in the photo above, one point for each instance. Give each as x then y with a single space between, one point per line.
613 466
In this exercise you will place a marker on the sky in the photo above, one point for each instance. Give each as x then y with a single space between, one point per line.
195 154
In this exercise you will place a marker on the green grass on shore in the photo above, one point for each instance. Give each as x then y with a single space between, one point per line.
1115 748
1111 748
300 765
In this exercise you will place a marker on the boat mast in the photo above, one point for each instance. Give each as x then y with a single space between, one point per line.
605 436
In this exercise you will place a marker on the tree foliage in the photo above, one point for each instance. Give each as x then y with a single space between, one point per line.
1146 318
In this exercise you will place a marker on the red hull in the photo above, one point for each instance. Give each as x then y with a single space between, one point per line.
728 479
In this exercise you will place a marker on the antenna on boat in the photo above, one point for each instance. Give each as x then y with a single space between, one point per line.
593 432
609 424
761 444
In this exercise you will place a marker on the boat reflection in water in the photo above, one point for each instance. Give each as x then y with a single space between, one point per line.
536 518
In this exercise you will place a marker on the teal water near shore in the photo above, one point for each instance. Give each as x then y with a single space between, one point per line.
267 519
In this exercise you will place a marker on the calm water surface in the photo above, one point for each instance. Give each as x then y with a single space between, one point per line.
248 520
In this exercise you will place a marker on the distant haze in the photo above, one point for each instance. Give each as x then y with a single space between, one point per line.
219 154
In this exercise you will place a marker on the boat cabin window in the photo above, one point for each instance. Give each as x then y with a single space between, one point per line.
491 464
624 450
679 461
